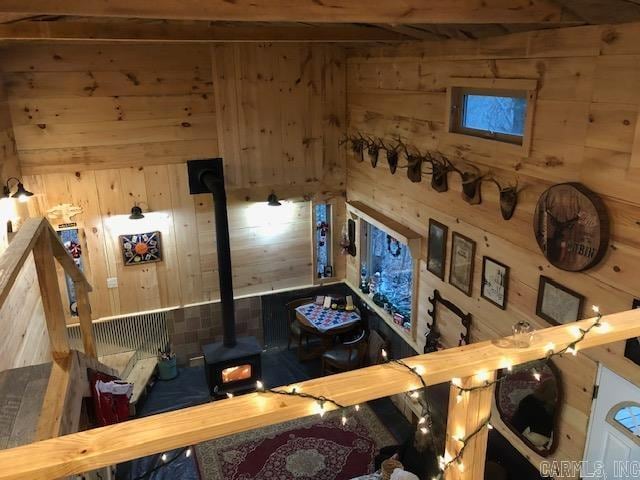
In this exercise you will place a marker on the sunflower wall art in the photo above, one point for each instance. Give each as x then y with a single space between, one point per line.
139 248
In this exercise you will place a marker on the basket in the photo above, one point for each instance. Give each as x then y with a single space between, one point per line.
388 466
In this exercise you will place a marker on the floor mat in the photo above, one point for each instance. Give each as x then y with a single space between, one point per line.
311 449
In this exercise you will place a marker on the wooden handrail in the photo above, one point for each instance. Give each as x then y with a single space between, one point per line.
17 253
92 449
13 258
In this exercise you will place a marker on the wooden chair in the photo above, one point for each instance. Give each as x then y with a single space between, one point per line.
355 353
296 333
347 356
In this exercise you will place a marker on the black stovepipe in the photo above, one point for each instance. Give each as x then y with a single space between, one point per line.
214 181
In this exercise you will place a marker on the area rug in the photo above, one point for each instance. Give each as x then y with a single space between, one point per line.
307 449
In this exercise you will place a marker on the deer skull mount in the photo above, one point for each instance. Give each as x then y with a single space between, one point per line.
357 146
471 180
508 199
439 173
393 155
373 149
414 167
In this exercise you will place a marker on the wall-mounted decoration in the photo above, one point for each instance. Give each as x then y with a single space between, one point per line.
632 349
471 180
495 282
571 226
433 333
437 248
348 242
440 168
358 144
63 214
508 199
463 253
70 238
373 150
393 155
414 168
139 248
558 304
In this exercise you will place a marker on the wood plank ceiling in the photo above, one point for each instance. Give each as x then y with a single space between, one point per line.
340 21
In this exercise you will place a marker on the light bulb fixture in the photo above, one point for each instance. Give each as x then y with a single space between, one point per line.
21 193
136 212
272 200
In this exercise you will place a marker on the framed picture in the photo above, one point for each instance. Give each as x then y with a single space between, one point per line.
495 282
437 254
139 248
463 254
71 238
632 349
558 304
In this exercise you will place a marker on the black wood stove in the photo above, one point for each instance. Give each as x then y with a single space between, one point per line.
232 365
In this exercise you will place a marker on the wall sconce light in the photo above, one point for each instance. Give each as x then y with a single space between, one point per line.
136 212
21 193
272 200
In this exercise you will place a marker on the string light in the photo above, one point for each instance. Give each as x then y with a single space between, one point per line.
229 395
424 420
572 348
164 457
188 452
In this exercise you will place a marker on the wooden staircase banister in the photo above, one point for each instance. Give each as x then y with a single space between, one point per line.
13 258
92 449
38 236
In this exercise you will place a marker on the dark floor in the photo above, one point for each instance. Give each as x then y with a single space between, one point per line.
279 367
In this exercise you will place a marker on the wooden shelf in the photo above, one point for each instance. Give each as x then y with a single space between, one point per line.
382 313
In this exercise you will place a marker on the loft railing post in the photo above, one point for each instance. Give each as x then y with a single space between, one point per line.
468 412
51 298
84 317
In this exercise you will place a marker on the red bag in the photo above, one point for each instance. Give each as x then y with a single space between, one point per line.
110 398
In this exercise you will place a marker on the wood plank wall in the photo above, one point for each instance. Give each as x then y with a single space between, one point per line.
586 116
104 126
24 341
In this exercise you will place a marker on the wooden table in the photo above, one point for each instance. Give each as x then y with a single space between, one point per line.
305 315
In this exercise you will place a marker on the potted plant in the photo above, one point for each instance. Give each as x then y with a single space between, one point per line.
167 364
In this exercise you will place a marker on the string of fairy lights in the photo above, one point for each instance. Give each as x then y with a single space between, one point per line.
425 421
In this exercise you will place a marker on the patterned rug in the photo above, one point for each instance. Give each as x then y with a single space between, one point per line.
305 449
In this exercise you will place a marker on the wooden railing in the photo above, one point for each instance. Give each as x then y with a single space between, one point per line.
37 236
92 449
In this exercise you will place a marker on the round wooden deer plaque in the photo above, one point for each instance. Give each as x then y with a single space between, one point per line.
571 226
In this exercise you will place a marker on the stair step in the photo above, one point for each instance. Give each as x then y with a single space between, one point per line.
140 376
122 363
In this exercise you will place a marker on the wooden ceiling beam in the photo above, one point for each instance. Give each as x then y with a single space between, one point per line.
333 11
173 32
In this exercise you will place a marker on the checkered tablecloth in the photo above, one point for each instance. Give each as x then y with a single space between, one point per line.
325 319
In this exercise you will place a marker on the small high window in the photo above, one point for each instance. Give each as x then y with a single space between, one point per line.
626 418
498 110
323 261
